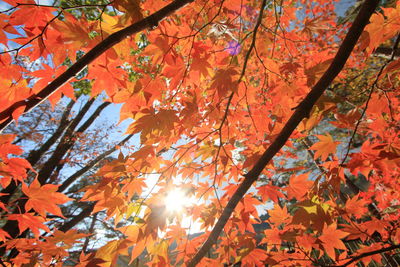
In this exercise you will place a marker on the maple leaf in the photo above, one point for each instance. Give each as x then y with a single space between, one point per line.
224 81
356 206
200 59
374 225
298 187
132 11
324 147
367 259
134 186
29 221
270 192
175 232
273 237
174 69
160 250
11 168
110 251
138 249
75 33
279 215
254 257
313 213
150 124
376 30
6 147
159 47
331 239
354 232
112 76
155 216
306 242
44 198
14 167
89 260
68 238
4 235
315 72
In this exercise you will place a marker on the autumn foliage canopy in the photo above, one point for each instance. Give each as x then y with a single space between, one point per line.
250 108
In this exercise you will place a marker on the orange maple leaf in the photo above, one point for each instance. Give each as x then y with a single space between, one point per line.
225 81
356 206
89 260
299 185
44 199
255 257
4 235
331 239
29 220
270 192
151 124
272 237
306 242
324 147
68 238
279 215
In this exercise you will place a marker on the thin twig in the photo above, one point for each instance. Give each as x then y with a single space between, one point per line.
396 43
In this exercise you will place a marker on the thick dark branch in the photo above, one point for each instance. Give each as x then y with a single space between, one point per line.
302 111
35 155
92 117
386 52
90 165
366 254
66 142
148 22
76 219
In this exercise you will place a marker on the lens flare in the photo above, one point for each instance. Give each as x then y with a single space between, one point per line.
176 200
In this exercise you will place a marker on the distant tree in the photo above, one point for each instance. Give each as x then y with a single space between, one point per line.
63 147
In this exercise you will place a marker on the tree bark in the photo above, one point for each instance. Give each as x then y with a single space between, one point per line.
301 112
76 219
91 229
35 155
68 140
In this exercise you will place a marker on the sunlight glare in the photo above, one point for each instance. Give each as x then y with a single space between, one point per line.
176 200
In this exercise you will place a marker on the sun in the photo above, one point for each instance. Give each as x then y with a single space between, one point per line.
176 201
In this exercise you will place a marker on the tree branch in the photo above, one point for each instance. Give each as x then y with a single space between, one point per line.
77 218
302 111
91 164
366 254
148 22
66 142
